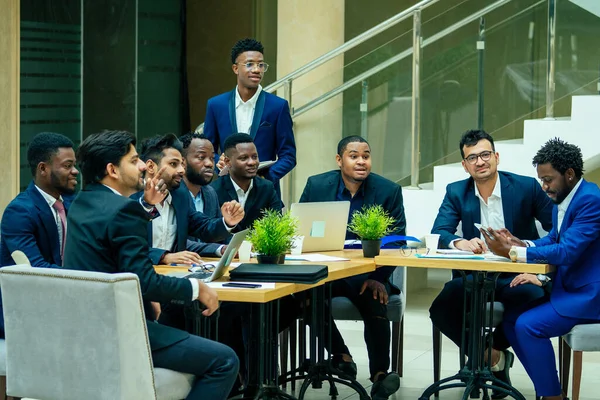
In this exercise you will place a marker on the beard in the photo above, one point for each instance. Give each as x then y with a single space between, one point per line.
62 188
196 178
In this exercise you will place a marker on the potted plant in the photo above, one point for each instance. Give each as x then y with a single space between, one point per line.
371 224
272 236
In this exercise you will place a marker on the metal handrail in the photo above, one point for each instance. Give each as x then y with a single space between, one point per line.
350 44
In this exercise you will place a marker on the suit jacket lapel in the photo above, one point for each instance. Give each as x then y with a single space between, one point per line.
232 119
258 112
48 221
229 188
507 205
370 192
473 214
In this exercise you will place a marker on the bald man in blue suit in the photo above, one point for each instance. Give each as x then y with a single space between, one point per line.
573 245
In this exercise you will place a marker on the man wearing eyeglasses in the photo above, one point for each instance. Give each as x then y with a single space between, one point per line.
496 199
249 109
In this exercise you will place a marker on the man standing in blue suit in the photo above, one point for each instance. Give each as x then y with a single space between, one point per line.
249 109
493 199
35 221
573 245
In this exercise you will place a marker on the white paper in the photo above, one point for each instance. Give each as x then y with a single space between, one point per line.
263 285
453 251
315 257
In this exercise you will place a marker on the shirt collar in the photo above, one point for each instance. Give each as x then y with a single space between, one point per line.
49 199
342 187
251 102
564 205
497 192
237 188
115 191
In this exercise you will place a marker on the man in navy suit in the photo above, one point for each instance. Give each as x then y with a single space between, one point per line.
355 183
108 233
255 194
249 109
199 157
573 246
32 222
496 199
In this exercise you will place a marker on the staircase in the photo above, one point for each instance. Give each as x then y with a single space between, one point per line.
581 129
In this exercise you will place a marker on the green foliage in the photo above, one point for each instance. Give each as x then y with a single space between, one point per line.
371 223
272 234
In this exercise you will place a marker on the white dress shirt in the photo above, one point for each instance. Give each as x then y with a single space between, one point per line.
242 196
244 111
193 282
164 227
51 200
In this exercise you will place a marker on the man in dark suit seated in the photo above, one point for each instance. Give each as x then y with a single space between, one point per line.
493 199
176 217
255 194
573 246
108 233
354 182
34 222
249 109
199 157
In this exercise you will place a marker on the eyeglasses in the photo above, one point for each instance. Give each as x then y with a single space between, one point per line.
262 66
484 155
409 251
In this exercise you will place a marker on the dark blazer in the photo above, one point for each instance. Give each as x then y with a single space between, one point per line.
575 250
261 197
271 130
211 210
108 233
189 223
523 201
378 190
29 225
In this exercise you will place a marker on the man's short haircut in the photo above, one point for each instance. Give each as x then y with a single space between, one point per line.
561 155
471 137
244 45
235 139
152 148
186 140
341 147
44 146
99 150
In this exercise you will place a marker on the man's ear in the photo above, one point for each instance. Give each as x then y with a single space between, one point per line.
226 160
464 164
112 170
44 168
235 69
151 168
338 160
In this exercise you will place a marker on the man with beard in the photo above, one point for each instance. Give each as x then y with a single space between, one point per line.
355 183
573 246
199 157
108 233
175 217
35 221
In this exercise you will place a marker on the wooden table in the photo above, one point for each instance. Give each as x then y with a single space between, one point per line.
475 375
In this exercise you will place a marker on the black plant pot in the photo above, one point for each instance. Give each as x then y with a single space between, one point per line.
263 259
371 248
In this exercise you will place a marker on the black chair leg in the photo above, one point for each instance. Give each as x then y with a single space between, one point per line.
437 355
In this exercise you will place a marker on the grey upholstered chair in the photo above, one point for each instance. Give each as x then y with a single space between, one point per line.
80 335
582 338
342 309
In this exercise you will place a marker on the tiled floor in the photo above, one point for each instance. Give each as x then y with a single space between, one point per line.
418 359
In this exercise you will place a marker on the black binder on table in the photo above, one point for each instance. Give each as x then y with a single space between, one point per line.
297 273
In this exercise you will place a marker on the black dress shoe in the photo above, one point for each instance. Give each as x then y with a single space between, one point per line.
345 369
504 375
385 386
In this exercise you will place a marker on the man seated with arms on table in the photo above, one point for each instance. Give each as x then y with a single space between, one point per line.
355 183
108 233
573 246
496 199
199 158
175 217
34 222
255 194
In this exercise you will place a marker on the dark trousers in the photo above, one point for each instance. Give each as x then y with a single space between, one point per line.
214 365
529 332
446 311
374 314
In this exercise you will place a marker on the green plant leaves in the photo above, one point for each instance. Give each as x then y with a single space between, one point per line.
272 234
371 223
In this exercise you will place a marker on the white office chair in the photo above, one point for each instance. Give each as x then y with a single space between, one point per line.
75 335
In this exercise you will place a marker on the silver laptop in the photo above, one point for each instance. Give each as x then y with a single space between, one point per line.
221 267
323 224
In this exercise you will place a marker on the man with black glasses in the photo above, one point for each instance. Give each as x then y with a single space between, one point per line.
496 199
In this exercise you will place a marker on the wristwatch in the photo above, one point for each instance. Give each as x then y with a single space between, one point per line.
543 278
513 254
